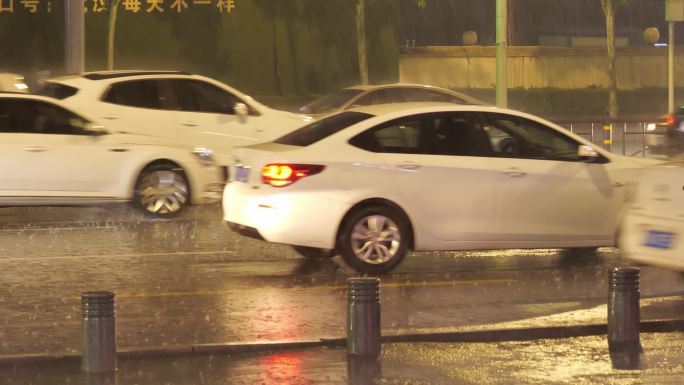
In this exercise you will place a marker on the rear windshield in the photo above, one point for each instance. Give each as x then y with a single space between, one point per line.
56 90
320 129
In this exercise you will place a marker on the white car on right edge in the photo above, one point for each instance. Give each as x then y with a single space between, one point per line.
653 228
373 182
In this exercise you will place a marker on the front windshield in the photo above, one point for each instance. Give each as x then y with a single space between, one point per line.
330 102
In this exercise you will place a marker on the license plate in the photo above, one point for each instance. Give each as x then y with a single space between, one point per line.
241 173
659 239
681 127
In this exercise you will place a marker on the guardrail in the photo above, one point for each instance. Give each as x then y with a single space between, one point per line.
626 138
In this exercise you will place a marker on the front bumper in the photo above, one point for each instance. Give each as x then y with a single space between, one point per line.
670 143
636 245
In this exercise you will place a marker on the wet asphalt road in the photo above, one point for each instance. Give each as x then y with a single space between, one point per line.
190 280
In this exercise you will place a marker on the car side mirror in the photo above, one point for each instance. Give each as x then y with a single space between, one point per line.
95 129
240 109
587 152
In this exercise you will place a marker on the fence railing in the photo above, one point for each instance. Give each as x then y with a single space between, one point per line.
626 138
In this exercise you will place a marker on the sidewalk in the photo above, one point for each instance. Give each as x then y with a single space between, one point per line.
563 348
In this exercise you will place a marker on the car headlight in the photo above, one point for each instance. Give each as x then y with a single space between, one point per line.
205 155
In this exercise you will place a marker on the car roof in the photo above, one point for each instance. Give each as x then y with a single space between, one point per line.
411 108
367 87
24 95
105 75
373 87
417 107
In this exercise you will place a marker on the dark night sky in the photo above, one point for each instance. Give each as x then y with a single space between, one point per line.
442 22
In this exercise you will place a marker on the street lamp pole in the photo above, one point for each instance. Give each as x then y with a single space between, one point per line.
501 43
74 20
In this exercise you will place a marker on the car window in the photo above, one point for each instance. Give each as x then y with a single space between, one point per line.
323 128
199 96
385 95
401 136
38 117
57 90
330 102
430 134
516 137
134 93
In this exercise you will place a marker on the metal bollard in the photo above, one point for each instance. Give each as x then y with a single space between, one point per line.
363 370
99 332
363 316
623 317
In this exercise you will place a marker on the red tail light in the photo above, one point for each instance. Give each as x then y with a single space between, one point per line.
283 174
670 121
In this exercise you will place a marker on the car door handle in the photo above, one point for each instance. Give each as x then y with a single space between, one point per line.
408 166
110 117
515 173
35 149
190 124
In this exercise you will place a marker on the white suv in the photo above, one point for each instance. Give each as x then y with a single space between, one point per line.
192 109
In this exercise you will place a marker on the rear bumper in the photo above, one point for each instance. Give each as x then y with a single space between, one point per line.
245 231
281 216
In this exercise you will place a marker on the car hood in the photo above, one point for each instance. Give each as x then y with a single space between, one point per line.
297 119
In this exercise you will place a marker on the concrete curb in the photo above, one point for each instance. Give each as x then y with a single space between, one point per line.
482 336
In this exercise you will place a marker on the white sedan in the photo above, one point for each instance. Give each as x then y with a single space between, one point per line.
374 182
51 155
653 229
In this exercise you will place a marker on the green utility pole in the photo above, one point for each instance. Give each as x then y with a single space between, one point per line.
501 43
674 12
670 68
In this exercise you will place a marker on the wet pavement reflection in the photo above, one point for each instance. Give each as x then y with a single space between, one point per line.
571 361
189 280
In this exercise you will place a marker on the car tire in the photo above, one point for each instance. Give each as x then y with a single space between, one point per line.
374 239
162 190
314 252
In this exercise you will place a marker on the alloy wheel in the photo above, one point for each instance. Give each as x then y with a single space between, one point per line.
163 192
375 239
